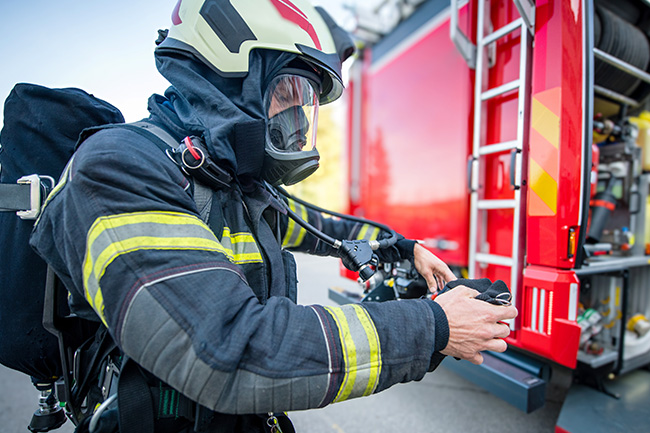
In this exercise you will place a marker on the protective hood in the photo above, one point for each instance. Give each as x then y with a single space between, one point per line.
227 113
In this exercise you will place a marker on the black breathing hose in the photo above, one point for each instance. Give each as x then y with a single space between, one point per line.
383 243
313 230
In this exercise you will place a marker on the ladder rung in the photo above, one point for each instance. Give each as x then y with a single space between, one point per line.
488 94
503 31
496 204
492 259
498 147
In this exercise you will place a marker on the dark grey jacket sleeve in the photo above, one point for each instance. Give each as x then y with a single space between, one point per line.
123 233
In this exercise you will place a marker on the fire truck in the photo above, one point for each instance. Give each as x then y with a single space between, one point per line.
511 137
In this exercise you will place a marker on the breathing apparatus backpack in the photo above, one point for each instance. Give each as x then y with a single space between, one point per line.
39 134
64 355
42 128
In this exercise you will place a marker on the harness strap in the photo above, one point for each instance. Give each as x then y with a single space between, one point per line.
14 197
151 132
203 199
135 405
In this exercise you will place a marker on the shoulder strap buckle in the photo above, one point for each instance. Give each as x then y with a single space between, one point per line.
26 196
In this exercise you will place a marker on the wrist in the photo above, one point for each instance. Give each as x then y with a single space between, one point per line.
406 248
441 326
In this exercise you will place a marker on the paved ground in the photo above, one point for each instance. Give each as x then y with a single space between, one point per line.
441 402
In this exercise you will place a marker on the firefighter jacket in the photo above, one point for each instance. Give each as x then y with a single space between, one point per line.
208 305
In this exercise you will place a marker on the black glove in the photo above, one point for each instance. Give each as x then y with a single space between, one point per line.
496 293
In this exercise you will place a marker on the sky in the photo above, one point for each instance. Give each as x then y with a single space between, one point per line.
103 47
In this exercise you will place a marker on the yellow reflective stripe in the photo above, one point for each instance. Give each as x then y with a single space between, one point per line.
361 351
241 247
112 236
368 232
151 243
59 186
543 185
305 217
295 234
349 354
546 122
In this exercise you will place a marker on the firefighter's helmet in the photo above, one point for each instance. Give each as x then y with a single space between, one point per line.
221 34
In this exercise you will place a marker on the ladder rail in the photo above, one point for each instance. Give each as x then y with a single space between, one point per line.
479 206
476 140
524 77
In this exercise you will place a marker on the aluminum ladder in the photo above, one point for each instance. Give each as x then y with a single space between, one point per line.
479 206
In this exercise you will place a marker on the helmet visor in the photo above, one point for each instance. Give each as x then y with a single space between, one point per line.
291 104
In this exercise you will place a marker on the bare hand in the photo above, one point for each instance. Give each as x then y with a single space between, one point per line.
435 272
473 324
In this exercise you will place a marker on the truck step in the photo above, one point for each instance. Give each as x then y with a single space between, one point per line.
510 382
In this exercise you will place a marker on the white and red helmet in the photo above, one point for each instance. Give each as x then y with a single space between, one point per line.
221 34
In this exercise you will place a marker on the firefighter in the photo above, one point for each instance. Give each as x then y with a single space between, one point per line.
199 292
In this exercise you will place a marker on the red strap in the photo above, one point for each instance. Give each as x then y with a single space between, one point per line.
190 147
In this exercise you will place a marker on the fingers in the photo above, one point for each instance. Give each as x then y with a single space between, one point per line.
476 359
496 345
435 281
497 330
432 282
448 275
474 325
505 312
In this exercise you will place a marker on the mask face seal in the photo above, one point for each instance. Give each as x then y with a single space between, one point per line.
291 104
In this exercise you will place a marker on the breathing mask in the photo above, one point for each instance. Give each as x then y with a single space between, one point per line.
291 104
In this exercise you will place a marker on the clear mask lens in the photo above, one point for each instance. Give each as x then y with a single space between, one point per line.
291 104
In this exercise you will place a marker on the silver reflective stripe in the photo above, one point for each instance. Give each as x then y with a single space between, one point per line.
368 232
361 351
241 247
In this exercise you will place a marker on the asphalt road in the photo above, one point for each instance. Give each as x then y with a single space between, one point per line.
441 402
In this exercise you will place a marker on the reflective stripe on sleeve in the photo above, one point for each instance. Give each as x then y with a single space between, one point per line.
361 351
112 236
63 179
240 247
368 232
295 234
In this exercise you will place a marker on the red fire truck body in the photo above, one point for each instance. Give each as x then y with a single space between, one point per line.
482 146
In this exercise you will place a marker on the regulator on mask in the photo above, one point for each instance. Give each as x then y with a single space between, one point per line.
291 104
